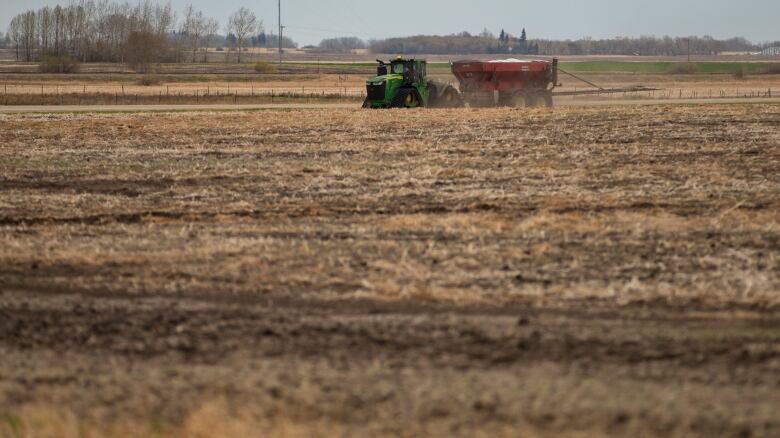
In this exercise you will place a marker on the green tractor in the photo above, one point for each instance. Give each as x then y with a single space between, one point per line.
404 83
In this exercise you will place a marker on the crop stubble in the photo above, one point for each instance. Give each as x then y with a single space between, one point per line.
402 271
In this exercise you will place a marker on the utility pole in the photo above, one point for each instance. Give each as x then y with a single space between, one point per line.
280 32
689 49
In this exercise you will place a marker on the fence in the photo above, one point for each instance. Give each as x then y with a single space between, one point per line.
678 93
121 95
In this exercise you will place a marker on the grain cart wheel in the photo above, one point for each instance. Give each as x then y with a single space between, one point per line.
536 100
406 98
452 98
542 99
520 100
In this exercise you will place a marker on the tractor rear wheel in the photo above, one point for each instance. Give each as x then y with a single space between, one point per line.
366 103
406 98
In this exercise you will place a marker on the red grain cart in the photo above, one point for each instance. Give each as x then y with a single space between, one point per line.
510 82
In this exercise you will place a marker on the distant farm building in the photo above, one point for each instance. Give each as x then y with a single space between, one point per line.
771 51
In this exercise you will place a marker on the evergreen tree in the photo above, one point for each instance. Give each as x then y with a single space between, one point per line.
502 36
523 47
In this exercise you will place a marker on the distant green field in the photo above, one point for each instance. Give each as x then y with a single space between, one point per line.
657 67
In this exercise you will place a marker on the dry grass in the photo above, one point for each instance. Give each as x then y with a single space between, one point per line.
470 205
542 400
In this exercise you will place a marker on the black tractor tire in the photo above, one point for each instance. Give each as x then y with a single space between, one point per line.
366 103
433 95
406 98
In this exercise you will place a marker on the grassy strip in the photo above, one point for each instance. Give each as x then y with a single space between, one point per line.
661 67
302 71
151 99
132 78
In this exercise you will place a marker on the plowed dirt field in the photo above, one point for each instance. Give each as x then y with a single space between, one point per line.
610 271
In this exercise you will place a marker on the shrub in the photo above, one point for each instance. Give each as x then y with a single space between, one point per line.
265 67
143 50
148 80
740 74
683 68
58 64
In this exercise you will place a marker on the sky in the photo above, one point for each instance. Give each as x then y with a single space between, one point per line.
309 21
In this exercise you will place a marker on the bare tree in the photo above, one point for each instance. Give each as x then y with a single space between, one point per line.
242 24
193 28
29 40
100 30
210 31
15 33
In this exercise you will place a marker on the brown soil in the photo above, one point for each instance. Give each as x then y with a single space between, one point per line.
610 271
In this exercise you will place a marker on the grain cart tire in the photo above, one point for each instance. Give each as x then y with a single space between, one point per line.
452 98
520 100
445 96
406 98
536 100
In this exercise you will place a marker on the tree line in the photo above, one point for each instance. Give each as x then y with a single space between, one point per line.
458 44
138 34
647 46
486 42
141 34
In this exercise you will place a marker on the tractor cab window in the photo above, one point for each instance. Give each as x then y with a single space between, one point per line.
399 68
